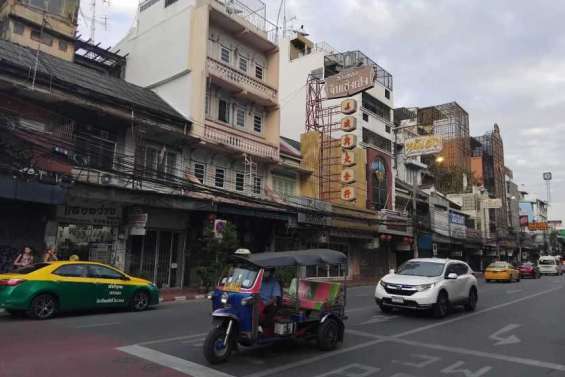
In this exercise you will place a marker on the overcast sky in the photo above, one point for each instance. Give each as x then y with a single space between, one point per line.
503 61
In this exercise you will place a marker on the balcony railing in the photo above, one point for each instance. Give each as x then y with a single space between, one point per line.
254 12
240 143
243 81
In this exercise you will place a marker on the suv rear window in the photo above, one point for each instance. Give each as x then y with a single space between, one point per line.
29 269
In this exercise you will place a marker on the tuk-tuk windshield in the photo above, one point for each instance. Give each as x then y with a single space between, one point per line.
239 276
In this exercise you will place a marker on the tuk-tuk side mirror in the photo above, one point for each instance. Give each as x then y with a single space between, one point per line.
391 271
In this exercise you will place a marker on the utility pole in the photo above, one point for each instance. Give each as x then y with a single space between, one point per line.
414 216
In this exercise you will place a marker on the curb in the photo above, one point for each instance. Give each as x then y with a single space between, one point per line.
181 298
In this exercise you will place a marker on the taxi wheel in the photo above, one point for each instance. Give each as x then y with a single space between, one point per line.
328 335
215 351
43 306
139 301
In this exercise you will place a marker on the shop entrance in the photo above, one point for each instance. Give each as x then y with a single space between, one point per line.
157 256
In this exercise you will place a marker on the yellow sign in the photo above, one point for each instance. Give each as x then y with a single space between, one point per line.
348 193
538 226
347 158
348 106
347 176
348 123
348 141
233 287
423 145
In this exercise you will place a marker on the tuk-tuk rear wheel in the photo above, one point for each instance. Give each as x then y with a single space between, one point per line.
328 335
215 351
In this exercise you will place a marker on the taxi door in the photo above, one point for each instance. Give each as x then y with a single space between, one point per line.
76 290
111 286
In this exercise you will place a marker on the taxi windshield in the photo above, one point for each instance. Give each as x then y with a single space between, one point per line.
498 265
239 276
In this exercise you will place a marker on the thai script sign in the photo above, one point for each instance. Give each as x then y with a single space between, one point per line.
538 226
350 82
90 214
424 145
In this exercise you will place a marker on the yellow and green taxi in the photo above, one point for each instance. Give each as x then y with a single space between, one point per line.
501 271
44 289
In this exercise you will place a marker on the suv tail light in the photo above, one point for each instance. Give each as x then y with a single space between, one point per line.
11 282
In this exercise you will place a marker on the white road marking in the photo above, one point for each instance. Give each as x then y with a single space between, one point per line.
477 313
167 340
91 325
464 351
379 318
505 340
314 359
180 365
352 370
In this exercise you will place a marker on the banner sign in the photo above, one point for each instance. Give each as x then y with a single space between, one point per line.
348 123
349 141
347 158
491 203
347 176
348 193
350 82
424 145
90 214
538 226
524 220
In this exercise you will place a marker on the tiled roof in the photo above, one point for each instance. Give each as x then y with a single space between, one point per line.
86 82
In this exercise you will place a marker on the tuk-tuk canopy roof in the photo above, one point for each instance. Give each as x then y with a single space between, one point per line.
309 257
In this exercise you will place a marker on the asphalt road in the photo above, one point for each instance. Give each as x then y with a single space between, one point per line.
517 330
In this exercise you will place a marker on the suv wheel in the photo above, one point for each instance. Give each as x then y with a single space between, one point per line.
441 307
472 300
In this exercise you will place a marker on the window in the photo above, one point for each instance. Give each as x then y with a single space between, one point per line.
375 106
285 186
387 93
19 28
387 129
223 111
160 163
370 137
257 182
240 117
200 172
451 269
225 54
379 178
102 272
52 6
259 71
220 177
169 2
207 104
97 147
258 123
44 38
365 117
239 181
461 269
63 45
72 270
243 62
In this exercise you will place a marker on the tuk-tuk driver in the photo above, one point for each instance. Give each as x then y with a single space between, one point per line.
270 293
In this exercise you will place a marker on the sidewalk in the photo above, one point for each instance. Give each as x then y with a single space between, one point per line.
184 294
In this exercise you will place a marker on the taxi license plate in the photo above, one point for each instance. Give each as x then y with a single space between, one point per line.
397 300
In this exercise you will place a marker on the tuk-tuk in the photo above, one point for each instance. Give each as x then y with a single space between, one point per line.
309 309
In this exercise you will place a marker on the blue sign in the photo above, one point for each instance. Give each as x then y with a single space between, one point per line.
456 218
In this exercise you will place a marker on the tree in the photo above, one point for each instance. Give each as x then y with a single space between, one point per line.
213 254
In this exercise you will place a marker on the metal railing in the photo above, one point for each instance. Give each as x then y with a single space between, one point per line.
252 11
232 75
241 143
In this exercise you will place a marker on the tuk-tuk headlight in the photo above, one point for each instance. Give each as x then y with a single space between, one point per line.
210 295
224 298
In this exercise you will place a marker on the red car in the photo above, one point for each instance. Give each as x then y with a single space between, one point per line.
529 270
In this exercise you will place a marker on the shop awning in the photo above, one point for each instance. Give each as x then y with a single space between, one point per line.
36 192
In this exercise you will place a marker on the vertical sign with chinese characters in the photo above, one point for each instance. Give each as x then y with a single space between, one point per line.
348 143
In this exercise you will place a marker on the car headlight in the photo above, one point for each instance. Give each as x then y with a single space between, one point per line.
382 284
224 298
423 287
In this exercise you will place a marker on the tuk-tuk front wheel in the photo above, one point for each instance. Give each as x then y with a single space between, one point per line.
328 335
215 351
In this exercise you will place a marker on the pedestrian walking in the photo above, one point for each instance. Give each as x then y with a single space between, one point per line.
24 259
50 255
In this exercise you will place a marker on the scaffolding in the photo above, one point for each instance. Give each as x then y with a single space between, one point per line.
492 152
323 119
451 122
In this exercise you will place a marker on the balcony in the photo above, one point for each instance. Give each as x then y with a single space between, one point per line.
241 84
245 144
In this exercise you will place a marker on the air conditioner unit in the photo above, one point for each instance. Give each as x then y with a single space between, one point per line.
107 179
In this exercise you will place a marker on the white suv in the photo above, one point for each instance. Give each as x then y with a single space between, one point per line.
428 283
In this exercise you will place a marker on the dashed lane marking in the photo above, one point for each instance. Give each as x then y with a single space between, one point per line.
92 325
173 339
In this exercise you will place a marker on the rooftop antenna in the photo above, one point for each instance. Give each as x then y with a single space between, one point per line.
94 20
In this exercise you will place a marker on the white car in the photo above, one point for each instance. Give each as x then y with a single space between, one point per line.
548 265
428 284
